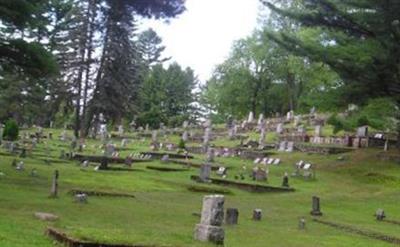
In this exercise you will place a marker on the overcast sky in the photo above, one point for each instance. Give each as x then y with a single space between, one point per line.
202 36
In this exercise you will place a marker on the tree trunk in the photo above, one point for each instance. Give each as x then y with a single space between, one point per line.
91 13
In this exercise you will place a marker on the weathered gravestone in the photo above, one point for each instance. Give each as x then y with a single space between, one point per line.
185 136
260 174
302 223
232 215
210 155
316 210
318 131
250 119
285 180
282 146
205 171
261 141
257 214
54 185
81 198
279 128
290 147
362 131
212 216
380 214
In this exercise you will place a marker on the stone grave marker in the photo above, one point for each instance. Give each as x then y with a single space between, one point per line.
362 131
318 131
380 214
232 215
285 180
316 210
54 185
250 119
257 214
290 147
212 216
279 128
282 146
205 171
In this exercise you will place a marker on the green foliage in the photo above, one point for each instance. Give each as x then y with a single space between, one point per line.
166 95
181 144
362 121
11 130
337 123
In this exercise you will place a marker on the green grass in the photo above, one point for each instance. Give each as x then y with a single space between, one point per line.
161 213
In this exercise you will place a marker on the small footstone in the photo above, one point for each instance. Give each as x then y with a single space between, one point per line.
46 216
232 215
257 214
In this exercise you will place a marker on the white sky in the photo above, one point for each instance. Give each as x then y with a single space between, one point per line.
202 36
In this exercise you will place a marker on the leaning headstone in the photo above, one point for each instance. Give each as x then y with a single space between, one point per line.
231 217
54 185
205 171
212 216
257 214
316 210
380 214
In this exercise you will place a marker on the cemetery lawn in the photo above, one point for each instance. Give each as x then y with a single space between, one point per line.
161 214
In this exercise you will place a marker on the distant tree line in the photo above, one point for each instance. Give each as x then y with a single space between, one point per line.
69 62
322 53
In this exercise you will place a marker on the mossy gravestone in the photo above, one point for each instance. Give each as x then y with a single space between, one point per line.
212 216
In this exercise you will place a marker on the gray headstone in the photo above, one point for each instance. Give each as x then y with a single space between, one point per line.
257 214
362 131
212 216
380 214
54 184
316 210
205 171
231 217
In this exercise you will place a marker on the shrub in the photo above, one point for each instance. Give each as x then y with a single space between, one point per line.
11 130
181 144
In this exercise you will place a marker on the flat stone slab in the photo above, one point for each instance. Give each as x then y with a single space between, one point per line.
246 186
365 233
63 238
99 158
159 155
100 193
197 165
46 216
166 169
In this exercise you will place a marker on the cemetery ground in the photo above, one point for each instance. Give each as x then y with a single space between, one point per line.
165 206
